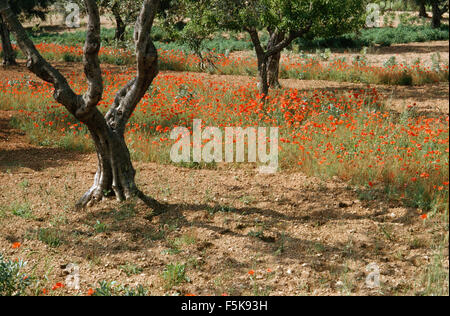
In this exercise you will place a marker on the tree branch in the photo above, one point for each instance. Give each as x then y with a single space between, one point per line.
256 41
287 41
38 65
147 69
91 61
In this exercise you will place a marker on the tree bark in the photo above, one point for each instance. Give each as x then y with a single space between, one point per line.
273 64
263 84
423 10
262 58
120 25
9 57
273 70
115 173
437 15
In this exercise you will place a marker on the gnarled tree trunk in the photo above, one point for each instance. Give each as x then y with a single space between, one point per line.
115 173
9 57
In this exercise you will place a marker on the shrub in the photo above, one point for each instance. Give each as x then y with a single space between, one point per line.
13 282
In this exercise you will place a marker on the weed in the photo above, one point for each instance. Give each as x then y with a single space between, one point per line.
174 274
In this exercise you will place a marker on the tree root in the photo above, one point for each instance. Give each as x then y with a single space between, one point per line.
92 197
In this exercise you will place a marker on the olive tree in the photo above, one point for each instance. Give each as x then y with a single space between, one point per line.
115 174
284 20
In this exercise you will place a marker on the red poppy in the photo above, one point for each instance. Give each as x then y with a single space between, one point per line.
57 286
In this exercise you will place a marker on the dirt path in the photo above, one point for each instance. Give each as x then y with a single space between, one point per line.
300 235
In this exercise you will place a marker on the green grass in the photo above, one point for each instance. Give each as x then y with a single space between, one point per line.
50 236
22 210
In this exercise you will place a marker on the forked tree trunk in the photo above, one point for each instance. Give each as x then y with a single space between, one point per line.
278 42
9 57
115 173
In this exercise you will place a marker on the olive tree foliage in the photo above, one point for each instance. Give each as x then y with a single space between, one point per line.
284 20
25 9
115 174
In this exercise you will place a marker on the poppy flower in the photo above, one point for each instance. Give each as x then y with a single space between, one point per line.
57 286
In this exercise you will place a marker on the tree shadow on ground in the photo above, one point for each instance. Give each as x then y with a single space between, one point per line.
145 227
37 159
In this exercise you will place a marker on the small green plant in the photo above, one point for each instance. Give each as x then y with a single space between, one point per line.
50 236
185 240
13 282
174 274
282 246
70 58
221 209
131 269
112 288
100 227
22 210
24 184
